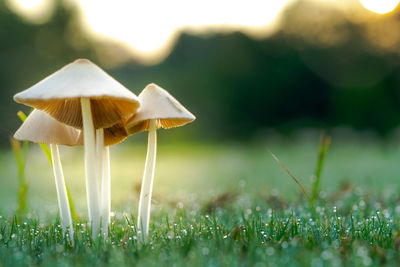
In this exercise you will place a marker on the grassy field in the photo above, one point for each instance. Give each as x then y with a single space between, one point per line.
228 204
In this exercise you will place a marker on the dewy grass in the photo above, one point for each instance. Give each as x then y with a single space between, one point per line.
358 226
240 234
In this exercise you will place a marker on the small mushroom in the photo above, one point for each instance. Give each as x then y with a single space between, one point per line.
82 95
158 109
39 127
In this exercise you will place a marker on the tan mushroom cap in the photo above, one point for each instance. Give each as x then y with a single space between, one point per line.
112 135
156 103
59 95
39 127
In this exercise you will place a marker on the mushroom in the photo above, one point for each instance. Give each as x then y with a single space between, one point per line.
83 96
158 109
41 128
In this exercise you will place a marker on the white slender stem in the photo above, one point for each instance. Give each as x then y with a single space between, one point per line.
63 204
106 190
102 176
92 186
147 182
99 164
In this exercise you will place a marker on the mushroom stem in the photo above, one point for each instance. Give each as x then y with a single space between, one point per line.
99 164
147 182
92 186
63 205
103 176
106 190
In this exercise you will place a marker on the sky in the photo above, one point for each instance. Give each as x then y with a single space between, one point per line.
149 28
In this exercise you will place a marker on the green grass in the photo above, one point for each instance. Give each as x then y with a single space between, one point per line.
218 205
263 232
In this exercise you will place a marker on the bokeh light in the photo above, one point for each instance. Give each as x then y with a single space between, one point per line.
380 6
34 11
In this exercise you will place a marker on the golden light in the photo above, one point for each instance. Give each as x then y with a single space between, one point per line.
35 11
380 6
151 26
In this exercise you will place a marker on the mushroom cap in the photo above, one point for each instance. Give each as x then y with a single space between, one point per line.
59 95
112 135
39 127
156 103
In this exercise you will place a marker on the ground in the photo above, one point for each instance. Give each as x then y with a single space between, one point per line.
225 204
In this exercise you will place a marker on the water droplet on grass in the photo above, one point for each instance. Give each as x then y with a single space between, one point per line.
270 251
170 235
205 251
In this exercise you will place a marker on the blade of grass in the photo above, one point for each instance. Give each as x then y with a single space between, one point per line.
71 204
291 175
297 182
47 152
324 144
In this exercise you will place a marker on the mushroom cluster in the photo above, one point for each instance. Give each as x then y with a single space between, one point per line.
80 104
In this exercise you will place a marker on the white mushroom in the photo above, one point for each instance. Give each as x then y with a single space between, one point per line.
84 96
41 128
158 109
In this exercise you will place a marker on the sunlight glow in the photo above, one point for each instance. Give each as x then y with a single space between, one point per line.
35 11
151 26
380 6
30 4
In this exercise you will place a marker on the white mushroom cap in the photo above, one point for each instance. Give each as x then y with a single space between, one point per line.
156 103
59 95
39 127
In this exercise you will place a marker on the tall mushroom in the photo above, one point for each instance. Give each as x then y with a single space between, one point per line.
41 128
82 95
158 109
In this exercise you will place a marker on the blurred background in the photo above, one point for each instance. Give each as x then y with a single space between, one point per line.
249 70
242 67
